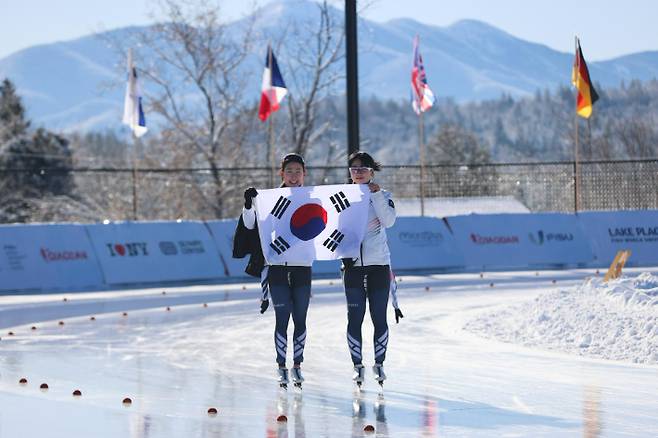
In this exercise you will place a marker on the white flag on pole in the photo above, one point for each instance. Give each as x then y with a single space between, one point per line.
302 224
133 112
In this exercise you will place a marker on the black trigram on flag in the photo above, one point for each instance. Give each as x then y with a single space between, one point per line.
332 241
340 201
279 245
280 207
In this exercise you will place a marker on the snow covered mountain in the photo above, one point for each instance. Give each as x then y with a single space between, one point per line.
66 85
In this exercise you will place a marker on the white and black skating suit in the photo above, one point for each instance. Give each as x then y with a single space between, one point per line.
290 288
369 277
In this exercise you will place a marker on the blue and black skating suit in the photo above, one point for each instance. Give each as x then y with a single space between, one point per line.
290 288
369 276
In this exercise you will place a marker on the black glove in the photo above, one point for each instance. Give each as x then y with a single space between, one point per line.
249 196
398 315
264 304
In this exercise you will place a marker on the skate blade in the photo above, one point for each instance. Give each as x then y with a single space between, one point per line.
298 386
283 386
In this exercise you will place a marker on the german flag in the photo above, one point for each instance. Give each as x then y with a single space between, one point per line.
580 79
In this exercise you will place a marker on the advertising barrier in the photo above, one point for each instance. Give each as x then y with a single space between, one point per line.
72 256
131 252
612 231
47 256
415 243
222 232
327 267
422 243
502 241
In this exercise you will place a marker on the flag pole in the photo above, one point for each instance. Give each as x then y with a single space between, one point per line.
134 178
270 141
576 177
270 125
421 145
134 143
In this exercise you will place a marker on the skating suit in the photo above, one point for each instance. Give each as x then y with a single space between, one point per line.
369 277
289 287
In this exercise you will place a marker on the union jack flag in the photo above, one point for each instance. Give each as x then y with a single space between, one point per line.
422 97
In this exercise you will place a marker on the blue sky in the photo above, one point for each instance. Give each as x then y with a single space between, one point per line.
607 28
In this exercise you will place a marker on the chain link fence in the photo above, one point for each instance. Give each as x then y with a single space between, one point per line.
166 194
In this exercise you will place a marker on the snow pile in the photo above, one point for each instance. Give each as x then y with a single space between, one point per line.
617 320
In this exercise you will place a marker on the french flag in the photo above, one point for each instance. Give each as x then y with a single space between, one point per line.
421 95
273 89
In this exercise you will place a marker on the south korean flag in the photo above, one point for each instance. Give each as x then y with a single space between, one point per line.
302 224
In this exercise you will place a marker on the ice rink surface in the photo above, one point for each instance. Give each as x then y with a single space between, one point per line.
442 380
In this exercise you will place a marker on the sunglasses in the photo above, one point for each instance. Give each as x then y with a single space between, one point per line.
358 170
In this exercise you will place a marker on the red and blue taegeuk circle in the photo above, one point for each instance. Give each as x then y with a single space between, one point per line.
308 221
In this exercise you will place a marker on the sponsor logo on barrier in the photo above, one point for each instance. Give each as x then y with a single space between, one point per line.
539 238
168 248
185 247
131 249
14 257
493 240
62 256
191 247
420 238
633 234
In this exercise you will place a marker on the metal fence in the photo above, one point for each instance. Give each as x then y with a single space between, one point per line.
117 194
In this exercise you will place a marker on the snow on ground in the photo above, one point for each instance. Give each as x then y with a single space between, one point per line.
617 320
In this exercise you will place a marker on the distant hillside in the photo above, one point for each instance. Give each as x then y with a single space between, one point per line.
65 84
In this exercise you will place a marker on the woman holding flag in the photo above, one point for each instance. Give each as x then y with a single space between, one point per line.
288 285
369 275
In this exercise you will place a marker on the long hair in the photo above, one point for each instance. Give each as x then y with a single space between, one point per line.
366 160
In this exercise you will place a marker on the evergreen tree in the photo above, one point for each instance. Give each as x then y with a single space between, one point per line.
33 168
12 113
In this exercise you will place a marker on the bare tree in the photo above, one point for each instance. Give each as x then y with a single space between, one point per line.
196 84
637 137
602 146
455 146
317 49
